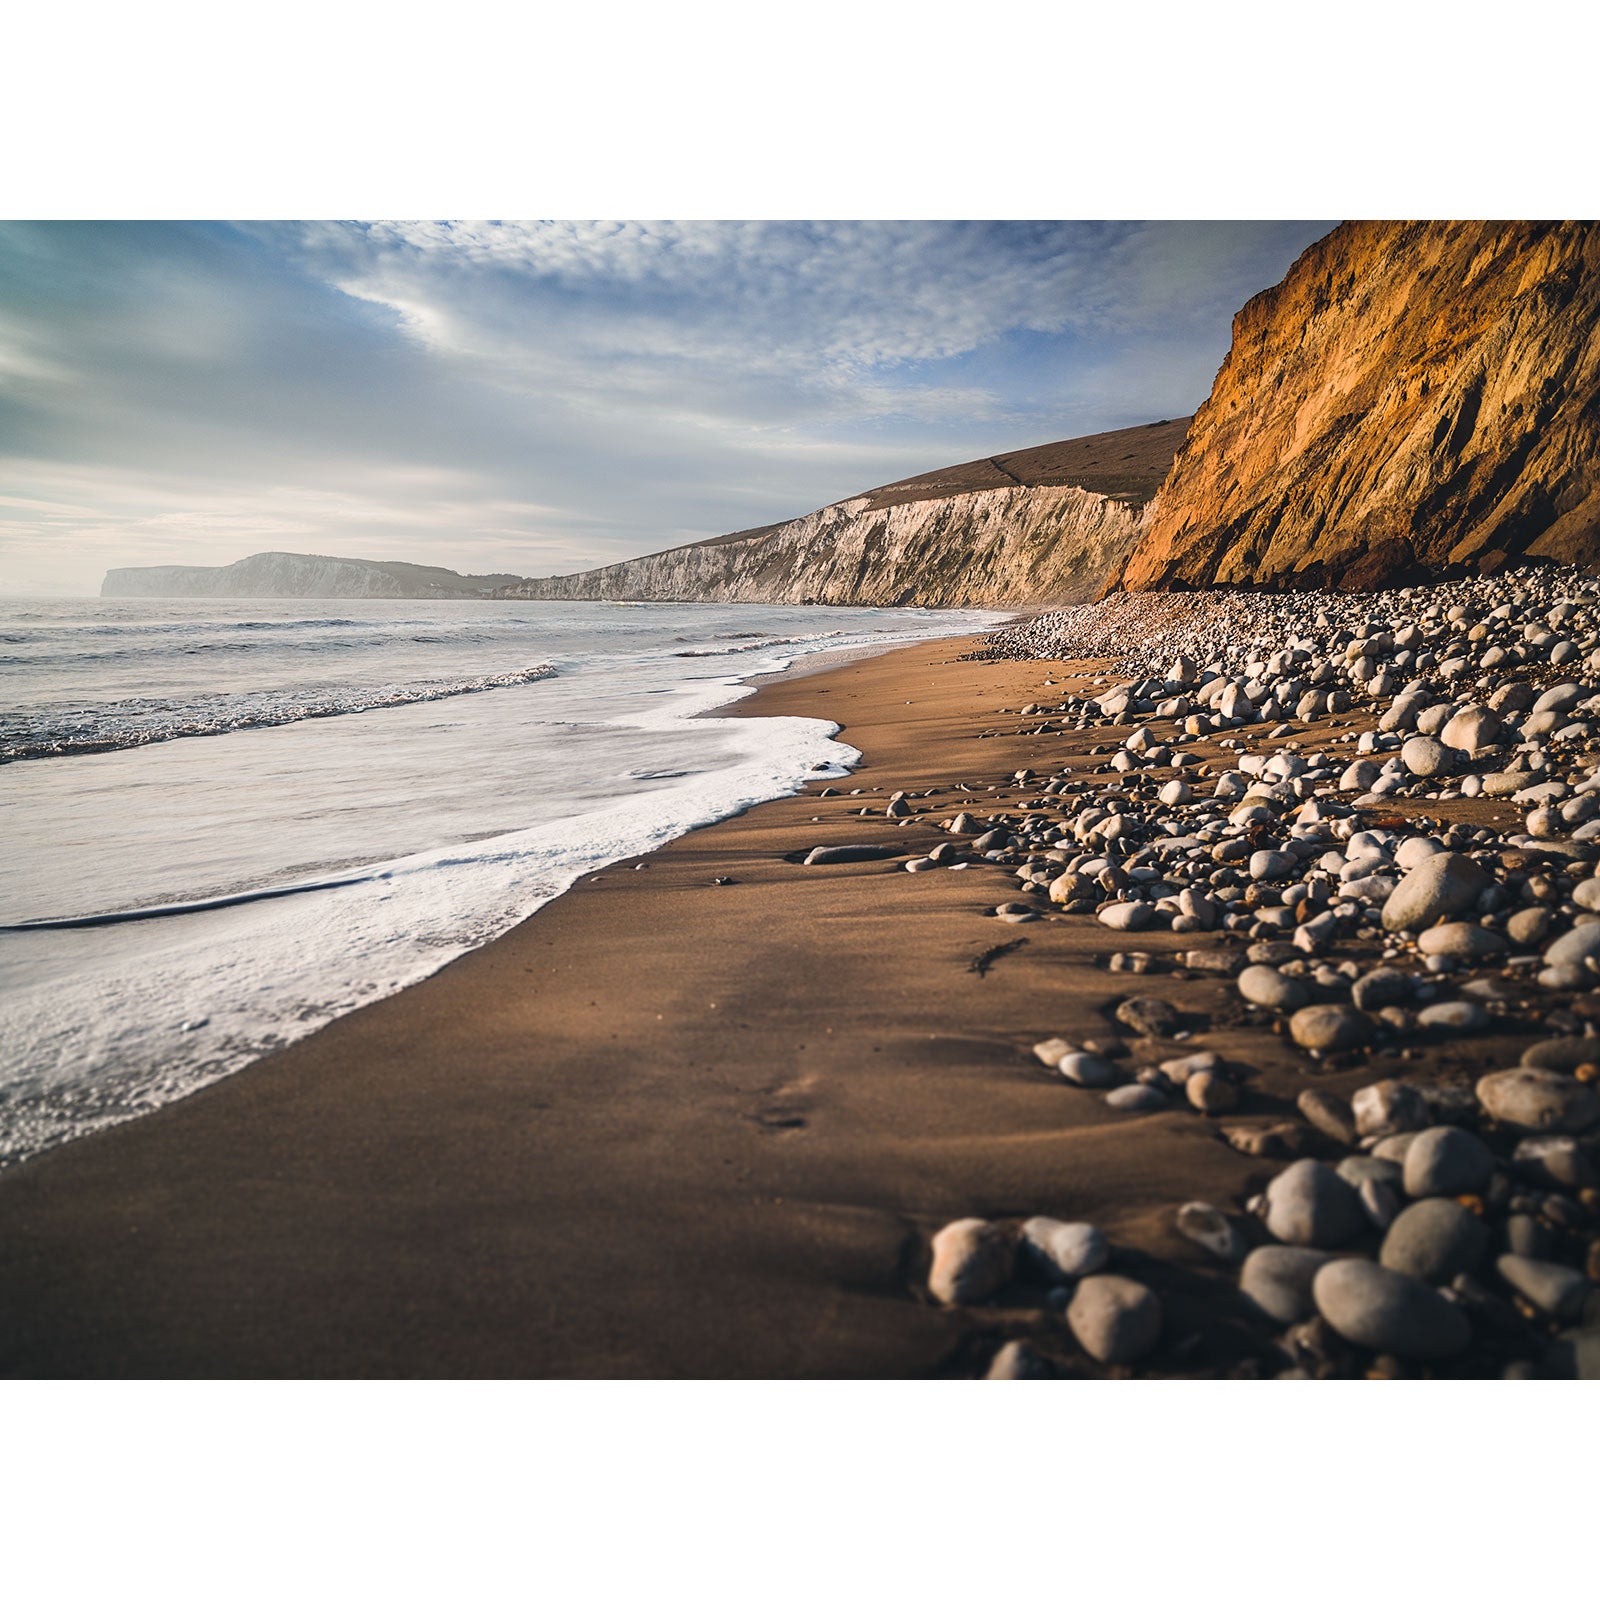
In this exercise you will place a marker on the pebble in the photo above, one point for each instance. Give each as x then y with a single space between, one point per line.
1116 1320
1434 1239
971 1260
1389 1312
1277 1280
1125 916
1442 1161
1137 1097
1018 1359
1535 1100
1328 1027
1441 886
1454 1016
1527 1236
1554 1159
1266 986
1561 1055
1356 1170
1180 1069
1154 1019
1089 1070
1329 1114
1308 1203
1466 941
1556 1290
1388 1106
1383 986
1062 1251
834 854
1211 1093
1212 1230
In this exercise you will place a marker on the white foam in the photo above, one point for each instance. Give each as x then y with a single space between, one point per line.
100 1024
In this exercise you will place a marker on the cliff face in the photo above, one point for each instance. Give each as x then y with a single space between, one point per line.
1411 395
277 575
1040 526
999 547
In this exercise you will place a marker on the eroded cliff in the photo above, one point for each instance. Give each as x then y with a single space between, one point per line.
1412 396
1041 526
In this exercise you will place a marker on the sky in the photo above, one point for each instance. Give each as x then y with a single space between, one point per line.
541 397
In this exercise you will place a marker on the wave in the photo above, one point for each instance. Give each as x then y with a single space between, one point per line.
765 642
128 724
180 908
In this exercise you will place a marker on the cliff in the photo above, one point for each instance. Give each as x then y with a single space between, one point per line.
277 575
1045 525
1412 396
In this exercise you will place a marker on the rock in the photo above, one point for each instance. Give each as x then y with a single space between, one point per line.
1115 1319
1328 1114
1124 916
1180 1069
1454 1016
1270 866
1577 1355
1085 1068
1473 729
1063 1251
1434 1239
1530 927
1282 1141
1526 1236
1328 1027
971 1260
1389 1312
1050 1051
1383 986
1534 1100
1556 1290
1379 1201
830 855
1155 1019
1447 1161
1137 1097
1465 941
1388 1106
1425 757
1442 886
1211 1093
1209 1228
1308 1203
1356 1170
1018 1359
1554 1160
1266 986
1561 1055
1573 949
1277 1280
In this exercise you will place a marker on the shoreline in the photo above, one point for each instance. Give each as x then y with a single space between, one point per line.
679 1135
672 1126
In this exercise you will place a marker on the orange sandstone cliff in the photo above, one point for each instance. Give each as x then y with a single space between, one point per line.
1412 396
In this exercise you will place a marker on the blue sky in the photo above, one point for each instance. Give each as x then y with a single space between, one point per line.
542 397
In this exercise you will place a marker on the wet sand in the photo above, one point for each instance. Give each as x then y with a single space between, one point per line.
666 1127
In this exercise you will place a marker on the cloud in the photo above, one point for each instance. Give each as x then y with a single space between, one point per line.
561 393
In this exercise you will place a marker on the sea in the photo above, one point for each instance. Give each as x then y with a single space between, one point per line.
225 823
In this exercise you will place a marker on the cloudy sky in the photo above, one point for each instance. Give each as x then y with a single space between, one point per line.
542 397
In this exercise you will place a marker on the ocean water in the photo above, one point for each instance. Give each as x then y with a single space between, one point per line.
226 823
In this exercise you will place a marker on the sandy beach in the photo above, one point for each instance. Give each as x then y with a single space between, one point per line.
674 1127
664 1128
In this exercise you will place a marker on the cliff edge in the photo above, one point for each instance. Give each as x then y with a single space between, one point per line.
1047 525
1413 397
276 574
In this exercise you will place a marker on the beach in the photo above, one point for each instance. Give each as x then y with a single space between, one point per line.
663 1128
672 1126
